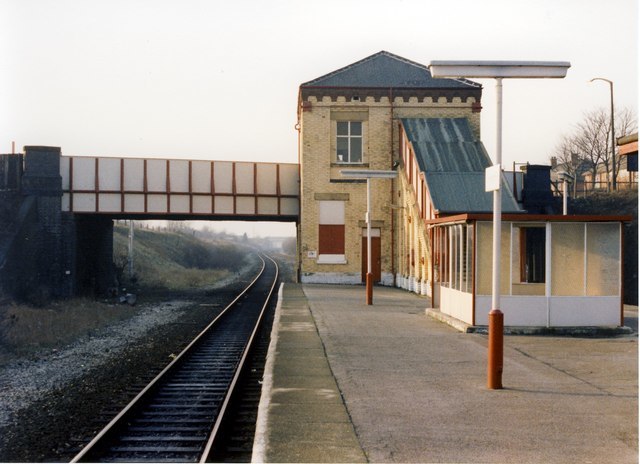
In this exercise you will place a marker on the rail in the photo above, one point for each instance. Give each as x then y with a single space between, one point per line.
178 415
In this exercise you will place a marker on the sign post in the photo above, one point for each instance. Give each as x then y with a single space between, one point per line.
368 174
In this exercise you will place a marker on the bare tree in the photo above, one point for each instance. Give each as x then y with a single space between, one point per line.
567 157
591 141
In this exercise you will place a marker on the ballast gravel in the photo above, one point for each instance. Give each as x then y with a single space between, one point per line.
24 382
53 404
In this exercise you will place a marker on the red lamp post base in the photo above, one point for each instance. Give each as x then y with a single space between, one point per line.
496 348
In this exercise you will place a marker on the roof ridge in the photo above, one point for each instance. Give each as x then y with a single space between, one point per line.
347 67
374 56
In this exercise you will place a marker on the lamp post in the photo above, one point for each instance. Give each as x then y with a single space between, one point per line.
368 174
613 138
497 70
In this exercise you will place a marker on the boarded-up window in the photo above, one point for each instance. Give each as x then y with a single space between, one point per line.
331 228
331 239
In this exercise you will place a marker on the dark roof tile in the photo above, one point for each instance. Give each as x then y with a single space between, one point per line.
386 70
453 162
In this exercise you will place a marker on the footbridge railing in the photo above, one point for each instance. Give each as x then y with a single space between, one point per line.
180 188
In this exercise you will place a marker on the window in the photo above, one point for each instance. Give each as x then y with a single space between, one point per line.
349 142
455 248
331 232
532 254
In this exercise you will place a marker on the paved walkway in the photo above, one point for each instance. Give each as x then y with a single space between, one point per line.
412 389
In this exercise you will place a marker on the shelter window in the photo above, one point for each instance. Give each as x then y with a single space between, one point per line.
455 260
349 142
532 254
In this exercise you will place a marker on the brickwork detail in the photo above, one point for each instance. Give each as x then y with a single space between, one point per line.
391 201
39 248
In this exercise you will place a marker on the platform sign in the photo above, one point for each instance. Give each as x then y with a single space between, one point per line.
492 178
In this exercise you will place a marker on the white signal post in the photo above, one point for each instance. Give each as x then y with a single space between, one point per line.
368 174
497 70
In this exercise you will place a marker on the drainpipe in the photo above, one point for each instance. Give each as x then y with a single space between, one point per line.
391 212
299 224
565 186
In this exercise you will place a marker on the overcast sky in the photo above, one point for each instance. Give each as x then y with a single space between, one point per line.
219 79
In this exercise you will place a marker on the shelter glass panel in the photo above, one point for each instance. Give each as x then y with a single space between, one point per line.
603 259
484 258
567 259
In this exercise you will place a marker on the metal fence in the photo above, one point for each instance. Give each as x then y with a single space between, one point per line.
604 186
585 188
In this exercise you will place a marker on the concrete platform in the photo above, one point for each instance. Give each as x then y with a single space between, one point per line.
346 382
586 331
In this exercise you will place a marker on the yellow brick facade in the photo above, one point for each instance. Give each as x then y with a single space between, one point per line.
404 240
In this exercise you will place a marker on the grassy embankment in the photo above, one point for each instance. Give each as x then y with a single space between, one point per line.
175 260
162 261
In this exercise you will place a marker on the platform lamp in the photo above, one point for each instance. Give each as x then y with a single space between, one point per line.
368 174
613 133
566 179
497 70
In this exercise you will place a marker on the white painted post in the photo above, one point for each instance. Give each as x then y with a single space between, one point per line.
547 270
497 204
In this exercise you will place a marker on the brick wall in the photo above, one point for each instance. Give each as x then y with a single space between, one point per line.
320 178
39 252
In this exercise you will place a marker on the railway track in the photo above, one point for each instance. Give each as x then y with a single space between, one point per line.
177 417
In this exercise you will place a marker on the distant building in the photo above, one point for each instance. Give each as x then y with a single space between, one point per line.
431 226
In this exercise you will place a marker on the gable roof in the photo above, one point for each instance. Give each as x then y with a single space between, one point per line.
385 70
453 162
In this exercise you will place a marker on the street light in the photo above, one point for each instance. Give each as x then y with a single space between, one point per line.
613 138
566 179
368 174
497 70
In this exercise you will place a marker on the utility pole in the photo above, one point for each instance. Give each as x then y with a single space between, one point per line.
130 249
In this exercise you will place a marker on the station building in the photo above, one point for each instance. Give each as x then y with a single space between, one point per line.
431 225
